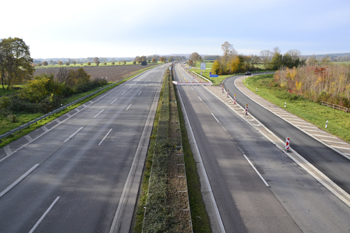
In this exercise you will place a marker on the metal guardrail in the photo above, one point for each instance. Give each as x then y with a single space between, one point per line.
58 110
335 106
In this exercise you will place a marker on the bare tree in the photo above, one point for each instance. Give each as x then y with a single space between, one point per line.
266 56
62 74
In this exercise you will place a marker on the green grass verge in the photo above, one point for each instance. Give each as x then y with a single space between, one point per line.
338 121
200 218
11 91
23 118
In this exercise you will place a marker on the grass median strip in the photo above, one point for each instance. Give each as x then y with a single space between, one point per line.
163 203
338 121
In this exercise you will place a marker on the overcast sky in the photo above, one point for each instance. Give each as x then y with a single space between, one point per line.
137 27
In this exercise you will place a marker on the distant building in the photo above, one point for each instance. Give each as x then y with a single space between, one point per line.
144 63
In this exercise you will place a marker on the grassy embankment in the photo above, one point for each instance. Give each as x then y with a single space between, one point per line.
338 121
22 118
200 220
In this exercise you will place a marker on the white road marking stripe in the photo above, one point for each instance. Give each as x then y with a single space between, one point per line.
200 98
215 117
192 88
18 180
73 134
262 178
8 150
335 142
29 138
98 113
345 148
123 92
319 135
139 92
104 137
42 217
114 101
305 126
128 107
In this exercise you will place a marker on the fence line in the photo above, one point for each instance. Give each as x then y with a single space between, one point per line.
335 106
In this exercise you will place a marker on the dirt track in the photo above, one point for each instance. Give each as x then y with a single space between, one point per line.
113 73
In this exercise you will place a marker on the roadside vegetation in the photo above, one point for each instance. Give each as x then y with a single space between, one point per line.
307 107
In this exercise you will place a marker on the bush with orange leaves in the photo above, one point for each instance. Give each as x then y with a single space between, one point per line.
329 83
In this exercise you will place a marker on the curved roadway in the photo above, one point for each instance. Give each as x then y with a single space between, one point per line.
331 163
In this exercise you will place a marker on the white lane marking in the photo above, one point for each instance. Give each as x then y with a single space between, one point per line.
335 142
18 180
73 134
319 135
192 88
104 137
114 101
123 92
310 127
215 117
29 138
200 98
139 92
128 107
8 150
98 113
42 217
345 148
262 178
206 179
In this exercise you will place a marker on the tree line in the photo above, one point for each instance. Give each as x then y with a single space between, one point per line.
329 83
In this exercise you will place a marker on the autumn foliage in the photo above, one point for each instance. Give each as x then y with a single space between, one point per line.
318 83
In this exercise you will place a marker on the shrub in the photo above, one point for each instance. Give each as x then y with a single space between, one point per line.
12 118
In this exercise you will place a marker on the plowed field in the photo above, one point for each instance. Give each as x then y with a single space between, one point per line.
113 73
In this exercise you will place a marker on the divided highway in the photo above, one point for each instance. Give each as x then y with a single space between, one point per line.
255 187
83 173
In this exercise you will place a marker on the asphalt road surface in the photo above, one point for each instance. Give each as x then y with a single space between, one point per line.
329 162
73 178
278 196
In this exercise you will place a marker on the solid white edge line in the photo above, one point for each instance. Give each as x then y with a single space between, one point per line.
262 178
215 117
218 216
200 98
139 92
123 92
104 137
128 107
43 216
18 180
98 113
73 134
